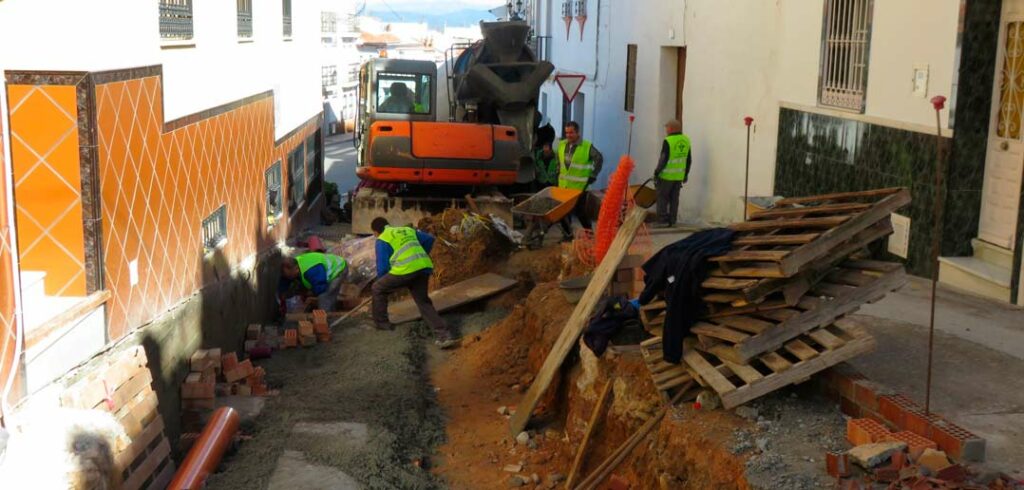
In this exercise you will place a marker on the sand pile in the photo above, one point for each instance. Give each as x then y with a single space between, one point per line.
466 246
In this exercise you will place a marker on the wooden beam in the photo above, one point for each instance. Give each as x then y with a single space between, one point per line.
453 296
839 196
70 317
755 240
707 372
577 322
808 211
784 224
718 332
595 417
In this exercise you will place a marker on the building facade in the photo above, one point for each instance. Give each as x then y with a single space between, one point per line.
152 168
339 63
839 91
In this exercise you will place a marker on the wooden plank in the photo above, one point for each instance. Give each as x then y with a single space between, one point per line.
780 315
871 265
835 237
751 272
750 308
707 372
745 323
801 350
722 297
833 290
452 296
163 479
745 372
657 305
849 277
138 413
826 339
719 332
139 444
577 322
839 196
824 314
810 211
104 378
595 417
67 318
751 256
755 240
728 284
799 371
675 382
651 341
785 224
148 467
775 362
664 376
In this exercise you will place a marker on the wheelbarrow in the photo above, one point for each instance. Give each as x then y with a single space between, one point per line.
643 195
543 209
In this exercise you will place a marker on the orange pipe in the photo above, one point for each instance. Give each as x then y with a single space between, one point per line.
208 450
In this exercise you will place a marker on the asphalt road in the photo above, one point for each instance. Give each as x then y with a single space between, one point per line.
340 162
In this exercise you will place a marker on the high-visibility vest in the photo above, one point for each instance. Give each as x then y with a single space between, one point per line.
407 254
334 265
547 173
577 176
678 152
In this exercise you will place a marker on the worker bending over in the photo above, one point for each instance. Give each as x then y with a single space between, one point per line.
403 262
319 273
579 164
672 172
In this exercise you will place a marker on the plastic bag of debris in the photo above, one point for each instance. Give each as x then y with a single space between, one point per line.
361 256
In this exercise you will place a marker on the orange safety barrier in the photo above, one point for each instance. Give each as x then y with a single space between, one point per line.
611 208
207 451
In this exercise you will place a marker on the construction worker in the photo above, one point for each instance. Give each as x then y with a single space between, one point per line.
579 164
672 172
546 174
400 100
403 262
319 273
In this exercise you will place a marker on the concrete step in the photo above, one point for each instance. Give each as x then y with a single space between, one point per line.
1002 257
976 276
32 285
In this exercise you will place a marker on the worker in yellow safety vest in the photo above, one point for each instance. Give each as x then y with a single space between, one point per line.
403 262
579 164
673 170
320 274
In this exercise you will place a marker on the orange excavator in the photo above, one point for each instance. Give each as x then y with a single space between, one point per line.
423 148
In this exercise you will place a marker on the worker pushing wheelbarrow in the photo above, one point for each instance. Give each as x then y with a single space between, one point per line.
544 209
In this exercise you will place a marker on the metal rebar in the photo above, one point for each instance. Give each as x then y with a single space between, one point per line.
746 178
938 215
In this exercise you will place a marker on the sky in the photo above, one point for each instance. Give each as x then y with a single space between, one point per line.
435 6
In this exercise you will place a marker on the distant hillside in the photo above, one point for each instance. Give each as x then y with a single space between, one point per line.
459 18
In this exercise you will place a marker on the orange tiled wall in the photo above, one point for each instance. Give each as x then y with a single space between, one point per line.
156 188
47 185
7 321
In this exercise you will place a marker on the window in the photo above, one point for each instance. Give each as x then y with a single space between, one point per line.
328 22
272 179
215 229
296 179
175 19
329 78
403 93
844 53
313 166
286 17
244 19
630 77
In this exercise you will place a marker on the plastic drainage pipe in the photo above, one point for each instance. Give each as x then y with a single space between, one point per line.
208 450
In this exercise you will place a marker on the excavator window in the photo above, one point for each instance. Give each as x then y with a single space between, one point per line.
403 93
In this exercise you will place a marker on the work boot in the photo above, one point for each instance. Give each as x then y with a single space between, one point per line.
384 326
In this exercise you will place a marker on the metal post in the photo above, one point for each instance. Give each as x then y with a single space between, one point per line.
746 175
938 216
629 144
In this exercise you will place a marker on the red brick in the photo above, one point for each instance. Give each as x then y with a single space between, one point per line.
291 338
849 407
954 473
617 482
851 484
865 431
228 362
204 359
253 331
915 442
898 460
916 422
243 370
837 464
866 395
886 474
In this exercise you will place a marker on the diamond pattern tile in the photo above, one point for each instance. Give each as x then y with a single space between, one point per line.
47 184
156 188
7 320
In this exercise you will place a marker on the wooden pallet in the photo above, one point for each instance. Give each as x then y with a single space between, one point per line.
123 386
794 363
782 241
668 378
743 337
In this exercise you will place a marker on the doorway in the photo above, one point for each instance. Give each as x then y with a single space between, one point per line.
1004 159
672 81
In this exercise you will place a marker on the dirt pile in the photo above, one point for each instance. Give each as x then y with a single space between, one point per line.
466 246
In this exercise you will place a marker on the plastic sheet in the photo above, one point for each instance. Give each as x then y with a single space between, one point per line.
361 256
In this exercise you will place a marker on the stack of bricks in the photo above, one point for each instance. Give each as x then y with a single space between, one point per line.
198 391
861 398
629 278
307 335
320 326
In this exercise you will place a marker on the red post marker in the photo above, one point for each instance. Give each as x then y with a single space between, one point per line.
748 121
696 405
632 118
939 102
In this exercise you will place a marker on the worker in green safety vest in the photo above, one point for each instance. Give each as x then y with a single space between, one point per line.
403 262
320 274
579 164
672 171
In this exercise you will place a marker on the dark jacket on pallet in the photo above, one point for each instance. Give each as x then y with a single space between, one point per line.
676 273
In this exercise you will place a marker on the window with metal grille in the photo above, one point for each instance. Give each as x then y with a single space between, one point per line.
286 17
630 77
846 39
272 177
329 78
244 18
176 19
328 22
296 178
215 229
314 165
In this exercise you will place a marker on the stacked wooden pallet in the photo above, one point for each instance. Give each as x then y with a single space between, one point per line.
122 385
777 303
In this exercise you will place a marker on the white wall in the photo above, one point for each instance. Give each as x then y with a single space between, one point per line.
91 36
744 58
